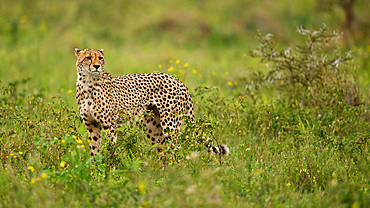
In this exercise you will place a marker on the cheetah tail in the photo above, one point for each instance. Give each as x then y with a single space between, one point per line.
222 150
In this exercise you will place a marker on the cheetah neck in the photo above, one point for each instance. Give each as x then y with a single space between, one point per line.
85 78
85 83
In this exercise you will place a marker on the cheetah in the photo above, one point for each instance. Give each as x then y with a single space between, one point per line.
100 97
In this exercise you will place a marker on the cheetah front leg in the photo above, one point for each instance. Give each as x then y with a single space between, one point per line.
94 130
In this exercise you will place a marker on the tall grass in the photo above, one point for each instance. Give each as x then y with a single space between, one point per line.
286 151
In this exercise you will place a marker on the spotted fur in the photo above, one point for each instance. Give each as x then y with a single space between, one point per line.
101 96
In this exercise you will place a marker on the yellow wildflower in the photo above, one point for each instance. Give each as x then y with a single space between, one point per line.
31 168
62 90
177 61
226 73
229 83
62 164
159 66
20 153
141 187
248 149
235 83
195 71
170 61
170 69
79 141
186 65
32 181
43 175
214 73
70 91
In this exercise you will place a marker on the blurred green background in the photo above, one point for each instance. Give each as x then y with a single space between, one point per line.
37 38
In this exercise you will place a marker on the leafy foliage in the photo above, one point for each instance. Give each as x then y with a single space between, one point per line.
312 72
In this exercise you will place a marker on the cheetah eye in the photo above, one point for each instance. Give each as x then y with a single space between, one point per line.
100 58
88 58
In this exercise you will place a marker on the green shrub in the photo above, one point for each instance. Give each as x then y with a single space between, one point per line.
314 72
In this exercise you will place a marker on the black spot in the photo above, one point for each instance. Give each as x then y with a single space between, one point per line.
95 138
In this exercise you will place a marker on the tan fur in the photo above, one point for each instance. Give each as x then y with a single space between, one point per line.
100 97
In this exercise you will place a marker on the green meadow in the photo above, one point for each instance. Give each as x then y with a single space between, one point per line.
278 82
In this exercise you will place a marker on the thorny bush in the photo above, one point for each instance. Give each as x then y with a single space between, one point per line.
315 72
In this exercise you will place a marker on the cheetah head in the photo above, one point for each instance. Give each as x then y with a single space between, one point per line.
90 61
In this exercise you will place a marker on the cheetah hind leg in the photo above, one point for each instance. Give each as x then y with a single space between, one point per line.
111 131
152 122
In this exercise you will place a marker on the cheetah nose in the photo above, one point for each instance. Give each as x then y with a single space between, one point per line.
96 66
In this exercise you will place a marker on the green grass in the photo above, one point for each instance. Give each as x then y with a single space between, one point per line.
284 153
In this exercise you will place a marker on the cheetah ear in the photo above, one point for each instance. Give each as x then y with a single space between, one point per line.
102 51
77 51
